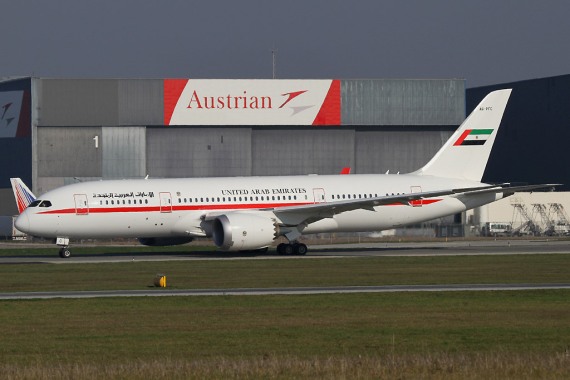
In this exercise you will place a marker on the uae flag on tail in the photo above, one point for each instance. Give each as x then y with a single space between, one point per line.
474 137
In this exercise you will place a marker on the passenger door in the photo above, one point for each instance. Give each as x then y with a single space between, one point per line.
319 195
81 205
419 202
165 202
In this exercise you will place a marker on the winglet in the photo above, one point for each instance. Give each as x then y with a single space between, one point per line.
345 170
23 195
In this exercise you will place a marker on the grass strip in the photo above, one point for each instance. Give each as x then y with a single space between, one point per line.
360 271
523 334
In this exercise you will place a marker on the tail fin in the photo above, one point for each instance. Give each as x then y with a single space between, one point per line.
23 195
466 153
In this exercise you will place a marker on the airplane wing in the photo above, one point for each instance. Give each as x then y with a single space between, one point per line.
295 215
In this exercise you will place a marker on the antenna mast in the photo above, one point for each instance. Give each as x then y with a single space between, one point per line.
274 59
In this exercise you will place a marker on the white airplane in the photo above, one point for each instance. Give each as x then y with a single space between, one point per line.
249 213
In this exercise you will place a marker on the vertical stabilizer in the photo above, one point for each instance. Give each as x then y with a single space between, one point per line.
23 195
466 153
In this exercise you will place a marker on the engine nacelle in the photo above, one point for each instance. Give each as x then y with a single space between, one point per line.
164 241
240 232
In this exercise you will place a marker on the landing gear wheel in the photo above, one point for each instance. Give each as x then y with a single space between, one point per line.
288 249
300 249
281 249
64 253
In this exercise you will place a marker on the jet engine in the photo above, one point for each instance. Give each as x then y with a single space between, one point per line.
164 241
240 232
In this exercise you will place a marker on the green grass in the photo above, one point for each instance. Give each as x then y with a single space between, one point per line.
291 336
203 274
517 335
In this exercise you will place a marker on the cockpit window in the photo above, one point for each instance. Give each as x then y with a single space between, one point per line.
40 203
35 203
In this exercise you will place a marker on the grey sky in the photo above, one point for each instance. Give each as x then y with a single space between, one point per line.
483 41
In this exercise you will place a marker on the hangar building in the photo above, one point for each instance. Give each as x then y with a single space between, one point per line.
57 131
531 147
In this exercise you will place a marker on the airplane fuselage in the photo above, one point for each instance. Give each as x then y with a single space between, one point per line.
182 207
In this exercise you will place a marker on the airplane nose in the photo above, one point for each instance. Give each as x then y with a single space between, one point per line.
23 223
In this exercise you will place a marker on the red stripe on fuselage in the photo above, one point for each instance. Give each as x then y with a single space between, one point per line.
249 206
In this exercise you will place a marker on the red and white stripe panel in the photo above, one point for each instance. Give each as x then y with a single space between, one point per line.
251 102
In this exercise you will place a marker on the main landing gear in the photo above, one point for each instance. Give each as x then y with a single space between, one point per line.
297 249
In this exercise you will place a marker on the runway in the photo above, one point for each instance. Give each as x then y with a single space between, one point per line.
280 291
9 253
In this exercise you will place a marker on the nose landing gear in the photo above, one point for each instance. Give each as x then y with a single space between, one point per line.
64 253
63 244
